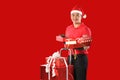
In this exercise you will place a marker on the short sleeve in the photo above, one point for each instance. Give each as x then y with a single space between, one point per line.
67 32
86 31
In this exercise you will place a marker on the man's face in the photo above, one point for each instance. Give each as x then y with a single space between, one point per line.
76 18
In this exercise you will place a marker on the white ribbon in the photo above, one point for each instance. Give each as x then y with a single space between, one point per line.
49 60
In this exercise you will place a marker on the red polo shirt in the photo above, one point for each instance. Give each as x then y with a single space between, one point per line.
74 33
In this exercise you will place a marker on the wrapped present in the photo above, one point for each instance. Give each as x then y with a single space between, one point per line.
43 74
56 64
56 68
85 40
78 43
60 76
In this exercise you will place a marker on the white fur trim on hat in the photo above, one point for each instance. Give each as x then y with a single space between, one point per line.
77 11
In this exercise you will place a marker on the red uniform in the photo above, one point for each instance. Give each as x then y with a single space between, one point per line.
79 57
74 33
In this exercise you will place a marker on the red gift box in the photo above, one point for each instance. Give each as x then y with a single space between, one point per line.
77 43
61 73
43 74
56 68
71 46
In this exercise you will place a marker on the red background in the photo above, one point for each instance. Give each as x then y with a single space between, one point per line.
28 30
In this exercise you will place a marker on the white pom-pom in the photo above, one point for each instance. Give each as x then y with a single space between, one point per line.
84 16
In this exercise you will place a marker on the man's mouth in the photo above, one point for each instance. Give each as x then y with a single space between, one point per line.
76 20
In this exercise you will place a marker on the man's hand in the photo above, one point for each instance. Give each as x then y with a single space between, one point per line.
59 38
84 39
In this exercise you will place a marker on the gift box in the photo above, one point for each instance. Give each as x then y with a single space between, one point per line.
56 68
77 43
71 46
61 73
43 74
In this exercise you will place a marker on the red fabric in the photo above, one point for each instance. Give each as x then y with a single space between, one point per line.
75 33
80 51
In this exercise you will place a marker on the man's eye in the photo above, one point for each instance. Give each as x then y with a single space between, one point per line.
77 15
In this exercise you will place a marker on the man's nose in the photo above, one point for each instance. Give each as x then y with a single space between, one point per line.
74 17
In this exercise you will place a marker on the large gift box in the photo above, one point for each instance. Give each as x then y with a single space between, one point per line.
61 73
56 68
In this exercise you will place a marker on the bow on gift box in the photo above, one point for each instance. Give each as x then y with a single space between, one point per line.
51 59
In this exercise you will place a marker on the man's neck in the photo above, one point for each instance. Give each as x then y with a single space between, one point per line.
77 25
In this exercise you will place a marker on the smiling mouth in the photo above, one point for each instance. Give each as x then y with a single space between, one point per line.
75 20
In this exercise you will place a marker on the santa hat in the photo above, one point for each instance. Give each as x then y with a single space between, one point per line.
78 10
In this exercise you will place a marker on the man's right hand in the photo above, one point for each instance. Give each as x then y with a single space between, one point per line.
59 38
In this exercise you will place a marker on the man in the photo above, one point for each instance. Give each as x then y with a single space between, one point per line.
79 33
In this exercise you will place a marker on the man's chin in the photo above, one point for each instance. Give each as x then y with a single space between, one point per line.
77 22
